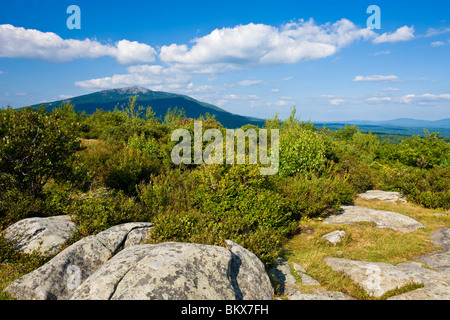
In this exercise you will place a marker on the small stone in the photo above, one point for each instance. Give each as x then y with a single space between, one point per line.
335 237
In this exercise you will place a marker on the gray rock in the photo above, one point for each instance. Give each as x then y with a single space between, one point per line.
383 219
287 286
249 271
376 278
44 235
172 271
438 290
308 280
441 238
382 195
439 261
298 268
319 295
282 276
334 237
58 278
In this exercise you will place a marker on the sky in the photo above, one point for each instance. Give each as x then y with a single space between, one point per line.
254 58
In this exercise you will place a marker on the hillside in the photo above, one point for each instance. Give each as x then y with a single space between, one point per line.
160 102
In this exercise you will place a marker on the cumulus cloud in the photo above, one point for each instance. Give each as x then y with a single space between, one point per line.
375 78
412 98
18 42
259 44
246 83
144 75
401 34
434 32
336 102
437 43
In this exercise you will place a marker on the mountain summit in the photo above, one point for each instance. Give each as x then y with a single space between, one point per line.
160 102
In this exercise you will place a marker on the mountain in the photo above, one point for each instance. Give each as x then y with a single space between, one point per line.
401 126
160 102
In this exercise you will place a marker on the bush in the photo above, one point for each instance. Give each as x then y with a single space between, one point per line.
33 149
426 152
103 209
302 150
426 187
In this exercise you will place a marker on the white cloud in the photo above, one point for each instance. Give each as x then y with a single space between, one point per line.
424 98
336 102
382 52
246 83
437 43
259 44
379 99
130 52
401 34
375 78
17 42
412 98
434 32
143 75
1 72
275 90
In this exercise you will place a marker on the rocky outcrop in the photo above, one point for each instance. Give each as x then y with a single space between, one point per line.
286 284
58 278
43 235
382 195
382 219
174 271
115 265
376 278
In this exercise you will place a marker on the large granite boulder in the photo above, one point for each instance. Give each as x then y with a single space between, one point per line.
179 271
43 235
383 219
387 196
376 278
286 284
58 278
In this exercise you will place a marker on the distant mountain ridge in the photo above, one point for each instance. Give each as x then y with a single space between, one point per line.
402 122
160 102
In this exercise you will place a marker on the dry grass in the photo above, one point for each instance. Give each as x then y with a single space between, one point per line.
363 241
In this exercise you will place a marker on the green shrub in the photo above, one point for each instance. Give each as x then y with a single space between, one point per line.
428 187
34 148
103 209
302 149
426 152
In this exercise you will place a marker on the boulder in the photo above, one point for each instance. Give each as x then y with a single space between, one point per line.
58 278
382 219
376 278
44 235
178 271
287 286
441 238
334 237
382 195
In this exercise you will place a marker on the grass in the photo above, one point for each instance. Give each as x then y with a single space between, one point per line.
363 242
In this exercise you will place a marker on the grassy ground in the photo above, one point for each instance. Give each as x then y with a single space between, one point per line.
362 242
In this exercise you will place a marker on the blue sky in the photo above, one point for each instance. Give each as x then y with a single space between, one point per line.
254 58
